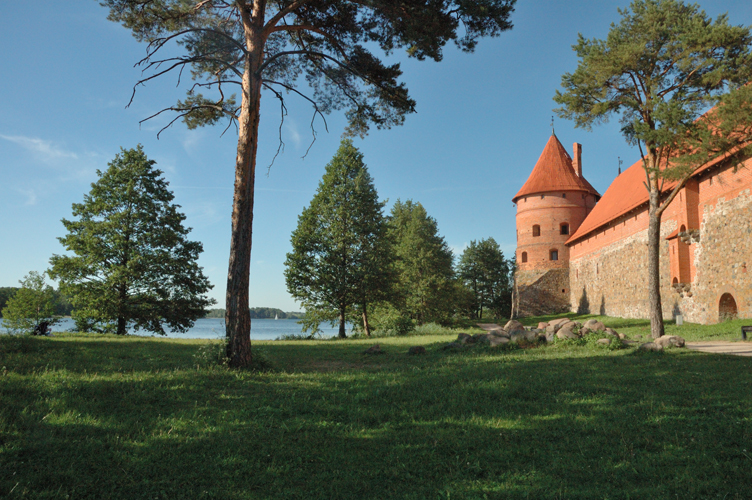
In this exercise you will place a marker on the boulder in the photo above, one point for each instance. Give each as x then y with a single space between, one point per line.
374 349
569 325
585 331
559 322
604 341
496 341
550 336
621 336
669 341
518 337
611 332
552 328
650 346
498 333
568 329
542 326
464 338
513 325
566 334
531 336
480 338
416 350
595 325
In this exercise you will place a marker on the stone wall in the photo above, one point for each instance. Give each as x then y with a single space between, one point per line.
612 280
543 291
722 258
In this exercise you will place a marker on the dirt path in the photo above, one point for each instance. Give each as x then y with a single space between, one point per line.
722 347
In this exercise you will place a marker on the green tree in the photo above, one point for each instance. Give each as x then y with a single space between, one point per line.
33 303
6 293
659 69
424 264
485 271
275 46
340 251
132 263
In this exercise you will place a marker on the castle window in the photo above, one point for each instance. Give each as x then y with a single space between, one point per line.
564 228
543 196
536 230
554 254
524 257
563 195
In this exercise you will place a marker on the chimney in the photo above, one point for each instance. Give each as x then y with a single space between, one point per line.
577 160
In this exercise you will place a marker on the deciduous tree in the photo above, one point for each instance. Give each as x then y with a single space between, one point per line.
485 271
424 264
274 46
659 69
341 257
132 262
33 303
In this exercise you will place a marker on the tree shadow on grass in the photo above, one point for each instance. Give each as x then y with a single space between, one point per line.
459 426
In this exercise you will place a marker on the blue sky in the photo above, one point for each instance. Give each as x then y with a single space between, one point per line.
482 121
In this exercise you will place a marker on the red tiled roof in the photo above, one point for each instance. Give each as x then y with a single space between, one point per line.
626 193
554 172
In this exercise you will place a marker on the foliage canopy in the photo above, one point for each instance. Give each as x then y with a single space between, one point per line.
132 263
340 256
31 304
424 264
484 270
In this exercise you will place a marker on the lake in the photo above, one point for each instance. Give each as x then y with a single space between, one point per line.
212 328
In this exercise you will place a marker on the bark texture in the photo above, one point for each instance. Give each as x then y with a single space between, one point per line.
654 264
237 314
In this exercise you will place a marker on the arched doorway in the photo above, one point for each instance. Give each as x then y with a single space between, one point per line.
727 307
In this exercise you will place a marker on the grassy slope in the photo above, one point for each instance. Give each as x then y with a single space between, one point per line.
105 417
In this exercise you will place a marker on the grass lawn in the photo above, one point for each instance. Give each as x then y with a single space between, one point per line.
93 416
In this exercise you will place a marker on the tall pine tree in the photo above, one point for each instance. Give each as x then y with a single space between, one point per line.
277 46
341 258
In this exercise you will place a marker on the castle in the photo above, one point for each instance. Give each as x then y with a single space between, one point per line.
583 252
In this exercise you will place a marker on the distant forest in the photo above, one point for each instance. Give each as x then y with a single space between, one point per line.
259 313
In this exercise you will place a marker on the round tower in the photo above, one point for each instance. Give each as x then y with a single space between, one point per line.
551 205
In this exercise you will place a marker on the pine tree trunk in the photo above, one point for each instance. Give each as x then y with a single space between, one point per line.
654 270
237 314
342 333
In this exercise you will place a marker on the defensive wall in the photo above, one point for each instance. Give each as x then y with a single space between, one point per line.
705 249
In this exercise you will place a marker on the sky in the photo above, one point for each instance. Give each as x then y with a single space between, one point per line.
482 121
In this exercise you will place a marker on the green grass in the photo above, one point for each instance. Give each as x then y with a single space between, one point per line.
93 416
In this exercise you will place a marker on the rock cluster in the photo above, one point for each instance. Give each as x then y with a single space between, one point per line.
563 328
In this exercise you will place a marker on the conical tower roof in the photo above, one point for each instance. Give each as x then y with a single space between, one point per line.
554 172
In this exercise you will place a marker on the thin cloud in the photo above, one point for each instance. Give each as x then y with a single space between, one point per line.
292 132
46 151
31 196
